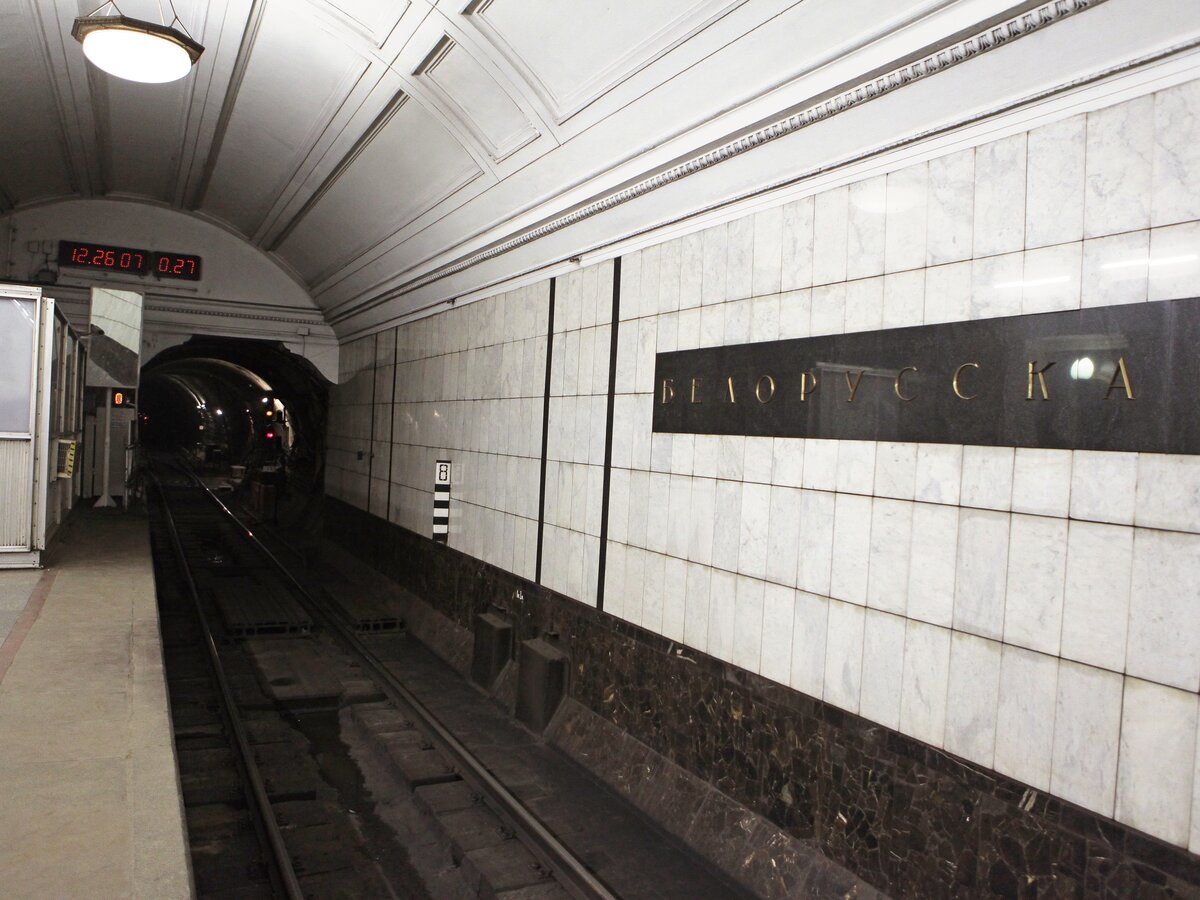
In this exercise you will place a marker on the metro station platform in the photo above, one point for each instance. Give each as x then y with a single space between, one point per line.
87 765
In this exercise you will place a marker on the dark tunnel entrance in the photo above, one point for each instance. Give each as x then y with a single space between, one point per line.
250 415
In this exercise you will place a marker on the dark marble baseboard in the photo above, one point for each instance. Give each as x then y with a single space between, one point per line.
907 818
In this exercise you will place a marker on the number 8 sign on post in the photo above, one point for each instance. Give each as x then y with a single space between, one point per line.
441 501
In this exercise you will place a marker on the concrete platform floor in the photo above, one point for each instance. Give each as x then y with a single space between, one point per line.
88 778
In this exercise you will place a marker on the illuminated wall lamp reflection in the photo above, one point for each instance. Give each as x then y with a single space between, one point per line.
134 49
1083 368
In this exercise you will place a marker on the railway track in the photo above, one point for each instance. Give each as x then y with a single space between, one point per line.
264 678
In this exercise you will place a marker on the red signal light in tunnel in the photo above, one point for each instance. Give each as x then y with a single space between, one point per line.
271 435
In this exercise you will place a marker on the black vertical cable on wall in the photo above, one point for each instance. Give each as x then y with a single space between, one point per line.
608 430
387 513
537 576
371 434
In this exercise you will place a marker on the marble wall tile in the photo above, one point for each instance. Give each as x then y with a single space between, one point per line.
1054 191
778 624
882 668
895 470
670 276
748 623
678 525
948 293
1104 486
727 527
1176 165
1164 609
618 505
865 227
795 314
904 299
1042 481
828 315
1037 565
714 255
851 548
1000 168
1116 269
931 572
1120 148
764 318
856 467
925 682
973 698
787 467
722 595
657 512
689 329
700 538
768 251
1168 492
737 322
784 541
907 208
830 231
691 271
756 512
891 546
1096 597
683 453
987 477
674 602
997 285
950 228
739 277
864 304
797 256
809 638
1025 716
696 600
705 454
628 605
1174 261
731 456
939 473
820 464
814 566
759 459
843 655
1157 759
1194 841
981 572
1087 727
1052 278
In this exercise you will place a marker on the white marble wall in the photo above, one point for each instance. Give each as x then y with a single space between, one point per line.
468 386
575 446
1034 611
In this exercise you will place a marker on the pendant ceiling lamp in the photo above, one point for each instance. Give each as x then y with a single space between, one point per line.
134 49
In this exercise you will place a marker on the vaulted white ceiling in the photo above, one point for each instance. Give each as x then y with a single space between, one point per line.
366 143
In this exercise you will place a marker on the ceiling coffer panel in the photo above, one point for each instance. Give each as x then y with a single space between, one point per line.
469 94
296 80
374 18
573 51
409 164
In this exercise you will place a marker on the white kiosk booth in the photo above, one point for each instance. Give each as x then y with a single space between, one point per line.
42 364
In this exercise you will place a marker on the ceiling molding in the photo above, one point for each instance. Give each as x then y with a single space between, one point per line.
930 63
364 140
702 14
241 63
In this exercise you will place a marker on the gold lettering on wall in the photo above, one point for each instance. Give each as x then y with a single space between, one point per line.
695 390
899 376
955 382
758 389
668 390
808 385
1124 376
852 385
729 389
1041 377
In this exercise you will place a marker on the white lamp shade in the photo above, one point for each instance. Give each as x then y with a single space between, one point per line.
136 55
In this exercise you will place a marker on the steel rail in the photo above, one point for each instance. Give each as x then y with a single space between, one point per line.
283 871
571 872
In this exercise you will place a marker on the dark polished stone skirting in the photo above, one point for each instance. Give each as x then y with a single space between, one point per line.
907 818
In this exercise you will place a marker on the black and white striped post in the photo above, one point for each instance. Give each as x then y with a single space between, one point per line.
441 501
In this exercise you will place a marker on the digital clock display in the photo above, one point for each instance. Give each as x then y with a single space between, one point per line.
129 260
177 265
101 256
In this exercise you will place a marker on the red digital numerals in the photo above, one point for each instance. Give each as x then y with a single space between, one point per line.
177 265
96 256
